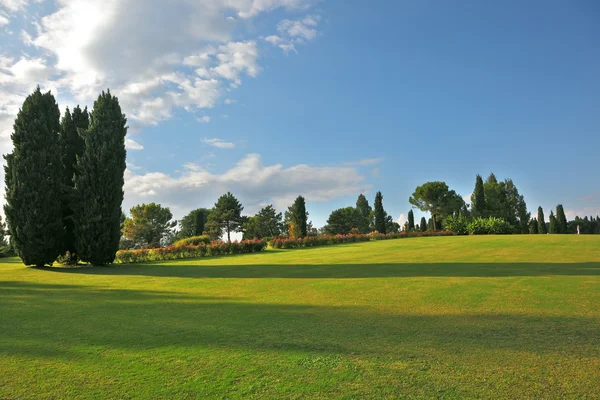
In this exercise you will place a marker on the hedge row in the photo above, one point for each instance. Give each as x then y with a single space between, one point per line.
478 226
325 240
181 252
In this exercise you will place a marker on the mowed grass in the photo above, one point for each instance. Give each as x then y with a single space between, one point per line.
449 317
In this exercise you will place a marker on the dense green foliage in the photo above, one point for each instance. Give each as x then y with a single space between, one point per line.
586 225
266 223
194 223
541 221
553 224
488 317
227 215
411 220
380 223
72 146
437 199
364 214
478 206
561 219
33 181
423 224
192 241
341 221
149 224
489 226
533 226
99 183
296 218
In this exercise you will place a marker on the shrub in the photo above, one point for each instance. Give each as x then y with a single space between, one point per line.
192 241
457 224
215 248
489 226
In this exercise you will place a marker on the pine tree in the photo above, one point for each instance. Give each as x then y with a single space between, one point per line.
533 227
364 211
541 222
99 183
561 218
71 147
423 224
553 223
478 198
379 213
411 220
227 214
33 180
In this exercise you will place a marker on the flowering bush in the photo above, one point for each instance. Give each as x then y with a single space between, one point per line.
325 240
192 241
215 248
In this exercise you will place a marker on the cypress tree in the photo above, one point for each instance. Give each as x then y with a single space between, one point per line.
379 213
99 183
541 222
478 198
71 147
423 224
553 223
533 227
300 216
561 218
33 174
411 220
364 211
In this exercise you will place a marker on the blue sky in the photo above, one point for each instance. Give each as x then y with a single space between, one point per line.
274 98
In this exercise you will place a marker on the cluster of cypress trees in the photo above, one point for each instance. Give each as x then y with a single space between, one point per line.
64 181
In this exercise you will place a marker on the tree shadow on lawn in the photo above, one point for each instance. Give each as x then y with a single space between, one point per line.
70 322
296 271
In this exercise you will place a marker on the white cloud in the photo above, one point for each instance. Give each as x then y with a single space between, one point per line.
274 39
3 20
251 181
132 144
293 32
401 220
580 212
219 143
204 119
13 5
364 162
287 48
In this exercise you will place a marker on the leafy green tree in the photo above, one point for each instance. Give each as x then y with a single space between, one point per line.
149 224
99 183
193 224
430 226
72 146
391 226
533 226
298 216
227 215
553 224
478 206
423 224
561 219
411 220
541 222
437 199
267 222
364 211
379 213
33 181
341 221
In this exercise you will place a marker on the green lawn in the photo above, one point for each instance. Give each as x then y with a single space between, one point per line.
441 317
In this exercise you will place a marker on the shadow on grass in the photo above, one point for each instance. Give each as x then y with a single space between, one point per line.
192 270
70 321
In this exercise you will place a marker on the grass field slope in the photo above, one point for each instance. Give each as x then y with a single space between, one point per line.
449 317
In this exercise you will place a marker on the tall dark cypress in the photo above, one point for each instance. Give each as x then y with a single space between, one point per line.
541 222
561 218
300 216
553 228
411 220
33 181
478 198
379 213
533 226
99 183
423 224
72 146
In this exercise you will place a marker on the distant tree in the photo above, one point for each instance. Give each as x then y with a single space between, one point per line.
561 219
533 226
437 199
149 224
379 214
298 215
418 228
193 224
227 215
364 212
251 228
423 224
541 222
33 181
341 221
72 146
430 226
270 221
478 207
411 220
99 183
391 226
553 223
